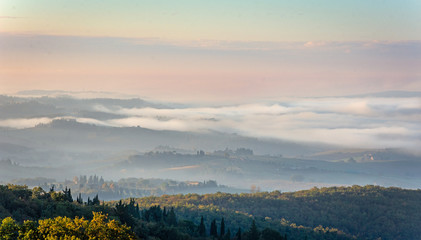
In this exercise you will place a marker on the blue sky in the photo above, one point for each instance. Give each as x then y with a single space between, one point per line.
219 20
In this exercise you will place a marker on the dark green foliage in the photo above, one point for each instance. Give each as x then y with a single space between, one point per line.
213 229
67 195
153 214
95 200
22 203
126 214
368 212
227 235
222 231
202 228
389 213
253 233
171 219
188 227
270 234
239 234
79 199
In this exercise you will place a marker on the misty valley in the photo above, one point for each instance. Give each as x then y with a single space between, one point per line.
62 137
82 155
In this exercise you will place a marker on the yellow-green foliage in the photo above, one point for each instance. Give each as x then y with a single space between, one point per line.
100 227
8 229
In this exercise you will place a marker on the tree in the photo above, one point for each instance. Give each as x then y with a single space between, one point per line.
67 195
57 196
227 235
29 231
60 228
213 229
202 228
21 192
222 232
116 231
164 214
38 193
101 181
153 214
270 234
171 218
238 235
79 198
253 232
125 212
95 200
9 229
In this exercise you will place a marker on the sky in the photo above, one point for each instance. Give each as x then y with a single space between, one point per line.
211 51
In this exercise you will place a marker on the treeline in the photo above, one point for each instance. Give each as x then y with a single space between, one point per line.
22 203
204 222
369 212
168 151
160 223
90 186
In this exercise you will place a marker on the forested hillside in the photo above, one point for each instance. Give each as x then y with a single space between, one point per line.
37 214
369 212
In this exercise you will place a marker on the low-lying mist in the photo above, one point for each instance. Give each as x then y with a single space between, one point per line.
356 122
287 145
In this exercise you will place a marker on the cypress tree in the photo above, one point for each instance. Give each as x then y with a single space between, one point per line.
238 235
227 235
171 218
202 228
67 195
137 211
254 233
222 232
213 230
95 200
164 214
79 198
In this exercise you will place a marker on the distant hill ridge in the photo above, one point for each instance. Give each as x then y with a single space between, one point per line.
389 94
